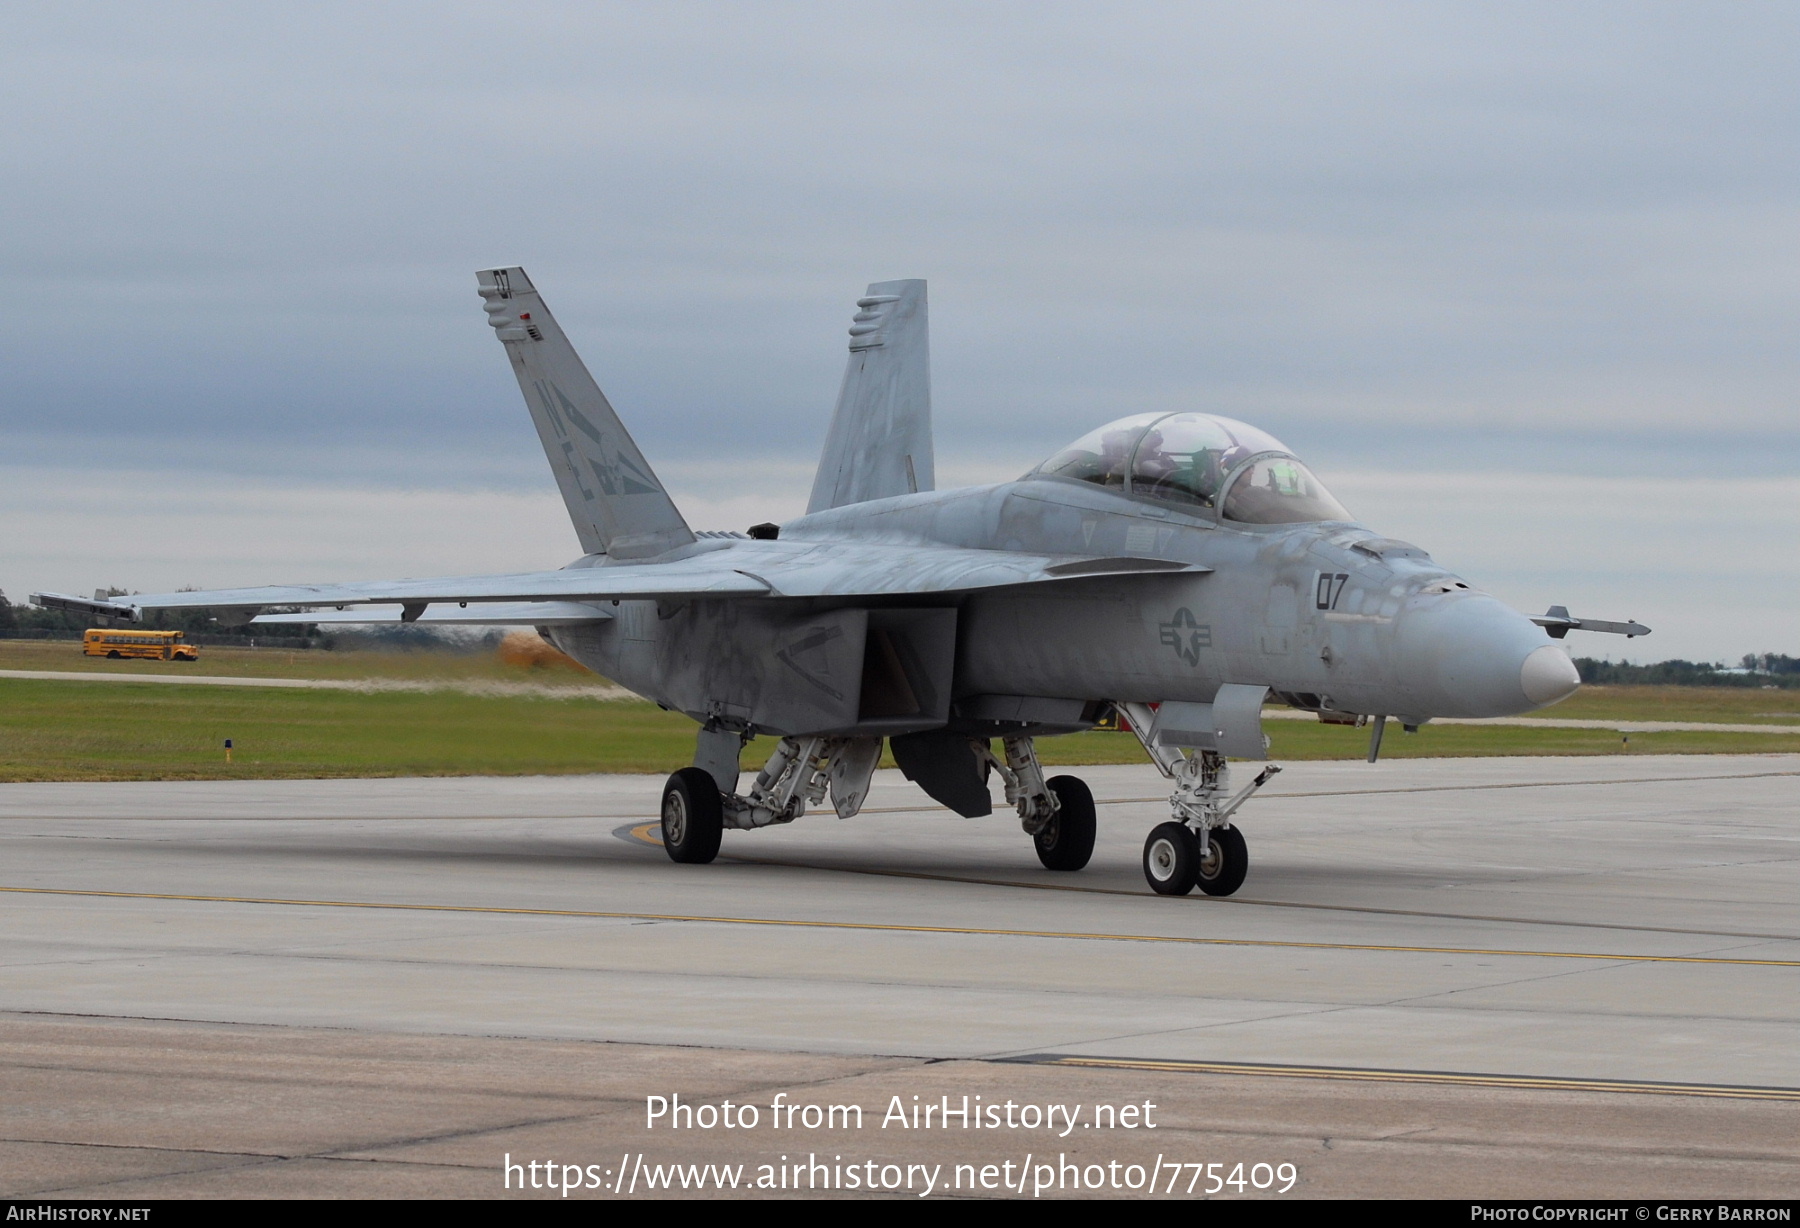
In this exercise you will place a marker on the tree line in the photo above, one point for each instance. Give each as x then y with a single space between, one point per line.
1755 670
28 622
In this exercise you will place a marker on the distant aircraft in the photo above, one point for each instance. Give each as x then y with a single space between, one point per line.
1174 569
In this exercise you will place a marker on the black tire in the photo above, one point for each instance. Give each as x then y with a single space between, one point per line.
1171 859
114 654
1226 862
1066 842
693 817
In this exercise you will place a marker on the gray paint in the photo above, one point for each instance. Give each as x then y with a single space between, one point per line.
615 501
1231 724
879 441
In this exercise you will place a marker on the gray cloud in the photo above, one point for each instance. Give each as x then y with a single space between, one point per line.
1506 237
1482 217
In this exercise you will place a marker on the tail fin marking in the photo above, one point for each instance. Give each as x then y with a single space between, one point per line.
879 441
617 505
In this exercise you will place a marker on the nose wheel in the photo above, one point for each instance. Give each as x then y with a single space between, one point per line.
1224 863
1198 847
1171 859
1174 863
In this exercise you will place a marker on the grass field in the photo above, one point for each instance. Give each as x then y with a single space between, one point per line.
51 730
1721 705
66 655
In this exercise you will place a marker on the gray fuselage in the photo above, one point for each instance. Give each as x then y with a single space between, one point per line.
1328 615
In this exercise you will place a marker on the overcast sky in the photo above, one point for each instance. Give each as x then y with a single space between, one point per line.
1520 280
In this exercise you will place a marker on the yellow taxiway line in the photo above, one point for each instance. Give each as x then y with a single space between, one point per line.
879 927
650 833
1450 1078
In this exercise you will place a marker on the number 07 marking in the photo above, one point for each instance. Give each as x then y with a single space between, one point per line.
1330 587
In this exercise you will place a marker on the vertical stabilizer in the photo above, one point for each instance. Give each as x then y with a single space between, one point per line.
618 506
879 444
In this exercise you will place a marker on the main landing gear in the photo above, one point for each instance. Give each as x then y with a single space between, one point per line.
693 816
1198 847
700 802
1058 814
1066 842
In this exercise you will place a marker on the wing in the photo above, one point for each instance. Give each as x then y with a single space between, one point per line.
478 614
574 584
857 569
740 570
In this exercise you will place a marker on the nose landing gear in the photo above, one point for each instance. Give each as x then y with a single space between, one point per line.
1198 847
1174 862
1171 859
1224 861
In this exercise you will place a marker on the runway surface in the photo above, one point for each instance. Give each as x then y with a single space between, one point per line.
1550 933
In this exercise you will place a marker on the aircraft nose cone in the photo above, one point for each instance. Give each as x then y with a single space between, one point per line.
1473 656
1548 675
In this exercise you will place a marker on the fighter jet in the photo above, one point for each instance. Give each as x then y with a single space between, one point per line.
1167 573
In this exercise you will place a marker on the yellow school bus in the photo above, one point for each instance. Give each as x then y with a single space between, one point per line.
157 645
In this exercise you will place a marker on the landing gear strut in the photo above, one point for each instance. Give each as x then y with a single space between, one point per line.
1058 814
700 802
1198 846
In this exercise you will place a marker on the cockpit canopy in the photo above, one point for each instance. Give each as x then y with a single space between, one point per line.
1193 459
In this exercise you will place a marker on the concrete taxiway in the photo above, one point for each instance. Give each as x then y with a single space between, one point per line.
1590 961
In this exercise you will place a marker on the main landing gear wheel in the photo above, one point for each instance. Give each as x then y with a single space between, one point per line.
693 816
1225 863
1067 840
1171 859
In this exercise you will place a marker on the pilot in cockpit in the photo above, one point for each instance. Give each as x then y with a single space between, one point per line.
1187 458
1102 457
1184 459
